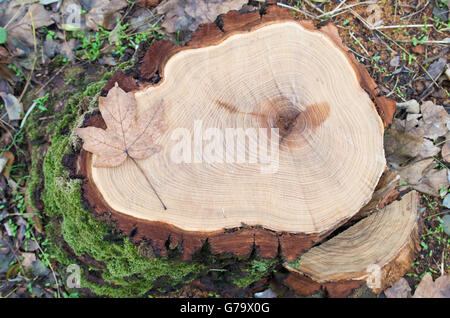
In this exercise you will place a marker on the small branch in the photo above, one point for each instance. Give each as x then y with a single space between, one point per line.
295 9
49 264
344 9
314 7
148 181
359 42
427 42
337 8
401 26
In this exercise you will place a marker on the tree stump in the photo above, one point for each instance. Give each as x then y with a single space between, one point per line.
247 72
273 74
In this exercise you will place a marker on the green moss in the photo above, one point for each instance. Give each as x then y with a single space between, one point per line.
75 76
62 198
257 270
116 269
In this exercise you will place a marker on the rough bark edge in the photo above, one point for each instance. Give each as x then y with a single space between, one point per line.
302 284
239 241
385 192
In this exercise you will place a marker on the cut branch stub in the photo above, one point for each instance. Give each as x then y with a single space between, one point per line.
261 73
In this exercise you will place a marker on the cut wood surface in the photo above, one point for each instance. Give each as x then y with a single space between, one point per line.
385 192
378 249
269 72
331 149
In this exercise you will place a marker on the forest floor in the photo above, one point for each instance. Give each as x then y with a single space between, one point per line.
404 44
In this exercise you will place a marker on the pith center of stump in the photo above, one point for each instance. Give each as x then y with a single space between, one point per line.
287 121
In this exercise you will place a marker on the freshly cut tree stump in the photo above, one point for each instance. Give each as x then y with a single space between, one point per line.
376 251
253 72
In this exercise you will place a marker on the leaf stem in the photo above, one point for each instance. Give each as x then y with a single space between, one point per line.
148 181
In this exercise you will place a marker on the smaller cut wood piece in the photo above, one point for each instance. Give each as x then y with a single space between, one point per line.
376 251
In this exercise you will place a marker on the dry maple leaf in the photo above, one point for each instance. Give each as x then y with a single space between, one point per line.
400 289
440 288
125 136
190 14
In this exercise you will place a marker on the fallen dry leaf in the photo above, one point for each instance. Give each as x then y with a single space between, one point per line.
440 288
400 289
28 259
9 156
67 47
5 71
446 148
446 152
428 149
433 123
422 176
13 107
432 182
401 147
413 140
104 13
149 3
189 14
413 173
20 34
436 68
125 136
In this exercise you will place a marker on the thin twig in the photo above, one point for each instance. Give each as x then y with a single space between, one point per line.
15 15
22 123
148 181
441 163
357 54
314 7
416 12
393 90
427 42
11 292
359 42
345 9
15 254
338 7
382 27
442 142
430 216
51 79
296 9
49 264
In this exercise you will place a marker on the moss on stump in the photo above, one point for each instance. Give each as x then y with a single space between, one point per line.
111 265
